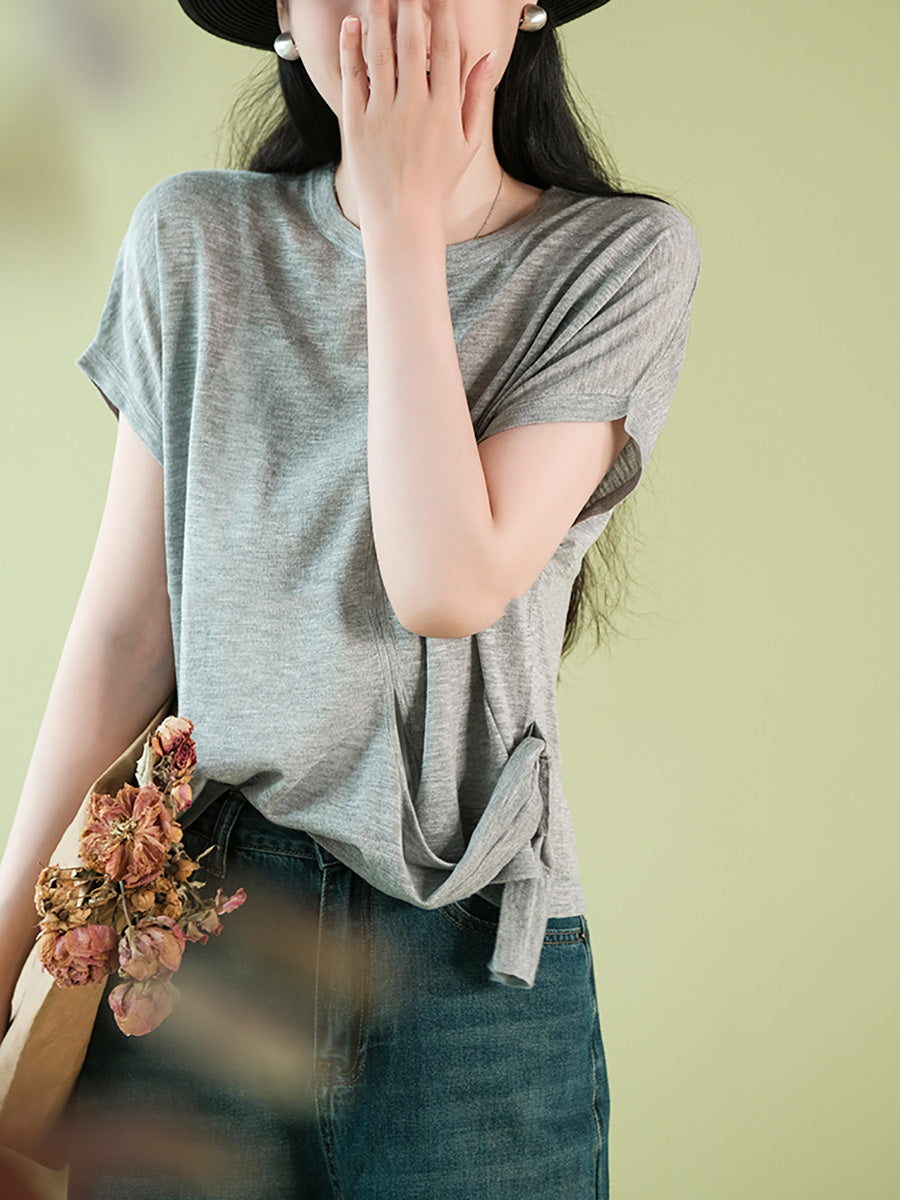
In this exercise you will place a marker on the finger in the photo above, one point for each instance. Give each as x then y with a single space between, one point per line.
379 53
445 68
477 110
411 49
354 89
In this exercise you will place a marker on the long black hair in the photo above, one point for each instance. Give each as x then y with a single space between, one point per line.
282 125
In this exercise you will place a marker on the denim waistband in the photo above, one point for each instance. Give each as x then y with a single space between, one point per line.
217 811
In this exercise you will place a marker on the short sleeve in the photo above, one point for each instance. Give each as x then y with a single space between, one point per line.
617 356
124 360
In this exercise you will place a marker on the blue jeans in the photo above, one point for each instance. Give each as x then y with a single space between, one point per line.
335 1042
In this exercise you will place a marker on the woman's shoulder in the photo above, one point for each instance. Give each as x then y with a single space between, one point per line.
645 217
629 232
203 193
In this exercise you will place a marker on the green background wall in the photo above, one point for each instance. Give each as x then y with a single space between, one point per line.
728 763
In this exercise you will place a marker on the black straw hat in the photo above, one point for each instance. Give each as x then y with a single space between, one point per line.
255 22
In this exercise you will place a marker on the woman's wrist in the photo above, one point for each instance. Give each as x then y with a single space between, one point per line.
403 225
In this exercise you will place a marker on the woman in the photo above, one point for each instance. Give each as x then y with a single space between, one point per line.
382 392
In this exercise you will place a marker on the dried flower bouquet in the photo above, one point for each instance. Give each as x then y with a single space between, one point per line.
132 905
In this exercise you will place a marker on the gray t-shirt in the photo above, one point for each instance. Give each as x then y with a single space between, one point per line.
234 339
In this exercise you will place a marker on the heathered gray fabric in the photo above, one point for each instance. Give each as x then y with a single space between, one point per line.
234 339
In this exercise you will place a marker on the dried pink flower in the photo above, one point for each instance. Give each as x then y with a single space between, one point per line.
175 759
152 947
140 1005
127 837
83 955
230 903
206 922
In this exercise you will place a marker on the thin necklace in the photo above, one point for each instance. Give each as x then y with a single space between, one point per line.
493 206
486 219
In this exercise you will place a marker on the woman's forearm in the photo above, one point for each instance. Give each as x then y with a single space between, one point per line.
102 696
431 512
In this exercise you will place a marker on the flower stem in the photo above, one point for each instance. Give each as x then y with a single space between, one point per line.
124 905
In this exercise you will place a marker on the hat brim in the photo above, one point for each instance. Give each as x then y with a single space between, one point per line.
255 22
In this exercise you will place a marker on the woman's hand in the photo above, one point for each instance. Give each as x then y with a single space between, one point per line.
407 143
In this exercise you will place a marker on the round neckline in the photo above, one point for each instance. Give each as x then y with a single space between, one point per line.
340 230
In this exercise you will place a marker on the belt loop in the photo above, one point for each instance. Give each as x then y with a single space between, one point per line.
324 857
231 802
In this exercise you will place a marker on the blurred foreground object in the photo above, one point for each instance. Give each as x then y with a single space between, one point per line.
204 1099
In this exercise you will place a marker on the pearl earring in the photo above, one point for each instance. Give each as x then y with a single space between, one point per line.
285 47
533 18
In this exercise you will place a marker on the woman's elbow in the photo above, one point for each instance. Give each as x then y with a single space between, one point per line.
466 614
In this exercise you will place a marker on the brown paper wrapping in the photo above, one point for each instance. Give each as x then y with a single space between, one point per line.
44 1046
